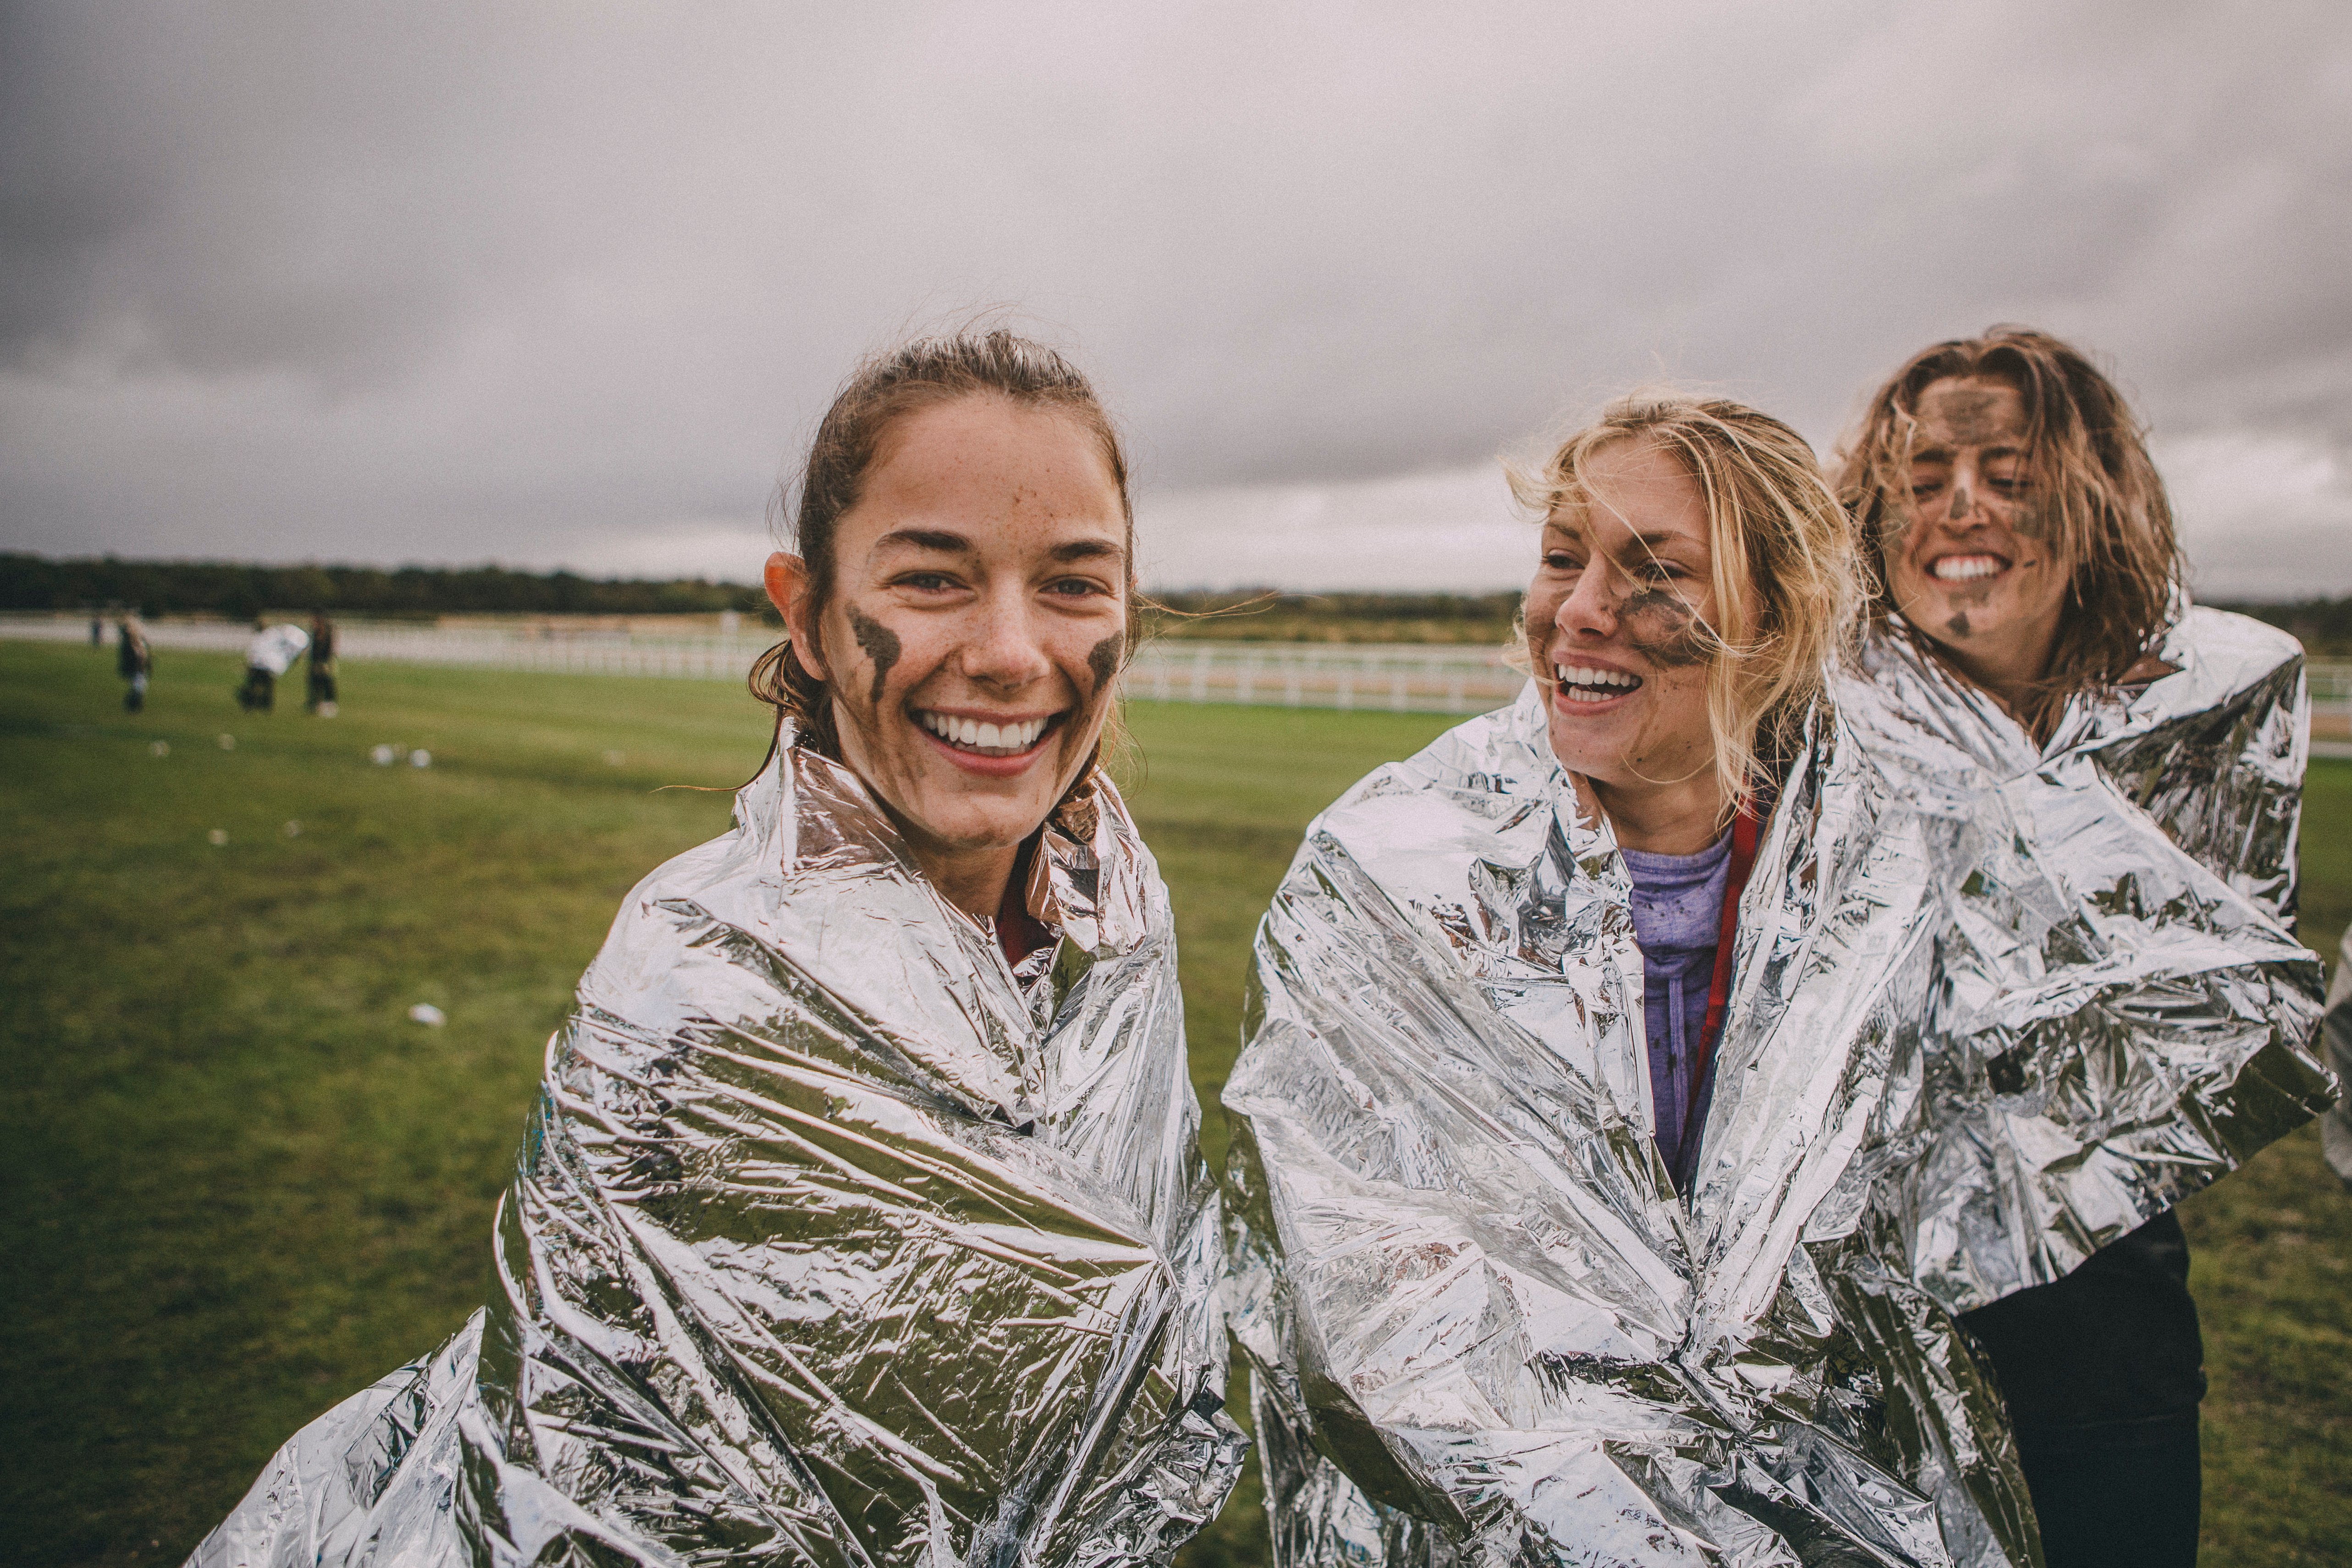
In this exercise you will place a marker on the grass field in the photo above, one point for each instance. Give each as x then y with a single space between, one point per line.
241 1183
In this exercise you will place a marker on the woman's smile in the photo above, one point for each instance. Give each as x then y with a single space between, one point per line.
995 746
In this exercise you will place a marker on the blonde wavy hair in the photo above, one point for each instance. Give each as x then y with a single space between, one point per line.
2088 474
1786 573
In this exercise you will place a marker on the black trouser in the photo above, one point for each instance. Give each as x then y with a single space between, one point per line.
2101 1371
259 692
322 687
2117 1498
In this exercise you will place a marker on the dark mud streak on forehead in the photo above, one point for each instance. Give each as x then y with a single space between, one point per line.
1677 639
1972 414
1103 658
881 646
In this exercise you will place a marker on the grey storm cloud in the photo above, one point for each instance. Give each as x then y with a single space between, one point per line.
550 284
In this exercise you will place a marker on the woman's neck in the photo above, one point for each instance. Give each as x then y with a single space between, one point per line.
1679 818
2011 672
973 880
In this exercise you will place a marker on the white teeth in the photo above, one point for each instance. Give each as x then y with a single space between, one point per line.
1585 675
1960 568
1006 739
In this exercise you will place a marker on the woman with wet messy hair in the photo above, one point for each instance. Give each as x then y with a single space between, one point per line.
2030 620
862 1221
2011 517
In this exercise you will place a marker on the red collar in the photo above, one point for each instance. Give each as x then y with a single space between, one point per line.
1745 830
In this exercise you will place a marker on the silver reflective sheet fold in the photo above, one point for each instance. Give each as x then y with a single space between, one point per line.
834 1240
1983 1019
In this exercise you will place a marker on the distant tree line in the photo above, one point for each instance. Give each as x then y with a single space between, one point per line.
2324 626
185 587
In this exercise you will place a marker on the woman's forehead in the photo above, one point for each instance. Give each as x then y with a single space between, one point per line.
1970 411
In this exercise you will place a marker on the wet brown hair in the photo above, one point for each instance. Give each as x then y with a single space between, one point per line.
2088 475
1779 540
884 389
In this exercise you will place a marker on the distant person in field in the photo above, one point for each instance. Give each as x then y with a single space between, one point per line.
270 655
321 698
862 1218
135 660
2019 538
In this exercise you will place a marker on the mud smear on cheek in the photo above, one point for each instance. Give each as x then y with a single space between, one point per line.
881 646
1958 625
1664 630
1103 659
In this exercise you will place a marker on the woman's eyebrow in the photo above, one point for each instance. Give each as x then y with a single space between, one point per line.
1084 550
924 539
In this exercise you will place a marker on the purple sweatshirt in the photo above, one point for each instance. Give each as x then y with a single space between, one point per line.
1677 918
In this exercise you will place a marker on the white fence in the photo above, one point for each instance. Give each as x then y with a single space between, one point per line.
1400 680
1382 676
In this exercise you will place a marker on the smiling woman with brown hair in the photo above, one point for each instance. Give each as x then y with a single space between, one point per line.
2030 629
2013 518
862 1221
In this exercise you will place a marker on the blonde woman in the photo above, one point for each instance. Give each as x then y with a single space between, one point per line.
1581 1150
861 1221
2030 622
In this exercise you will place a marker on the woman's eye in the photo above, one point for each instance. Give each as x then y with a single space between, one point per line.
1075 587
927 582
1557 562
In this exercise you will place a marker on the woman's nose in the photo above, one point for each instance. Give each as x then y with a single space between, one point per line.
1004 649
1591 607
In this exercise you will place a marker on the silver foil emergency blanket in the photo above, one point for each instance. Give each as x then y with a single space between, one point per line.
1984 1018
834 1240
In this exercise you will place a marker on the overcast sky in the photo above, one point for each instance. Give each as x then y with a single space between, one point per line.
554 284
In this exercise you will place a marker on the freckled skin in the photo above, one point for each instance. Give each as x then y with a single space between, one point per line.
982 567
881 646
1104 659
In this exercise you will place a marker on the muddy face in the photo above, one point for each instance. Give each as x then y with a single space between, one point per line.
1620 630
981 582
1968 564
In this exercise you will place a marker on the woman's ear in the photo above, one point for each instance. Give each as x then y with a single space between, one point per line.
787 580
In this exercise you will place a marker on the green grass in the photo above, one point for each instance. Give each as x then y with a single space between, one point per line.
240 1184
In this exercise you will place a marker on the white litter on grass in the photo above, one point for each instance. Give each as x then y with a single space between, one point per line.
293 829
228 742
385 756
615 759
426 1013
420 758
217 836
159 748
